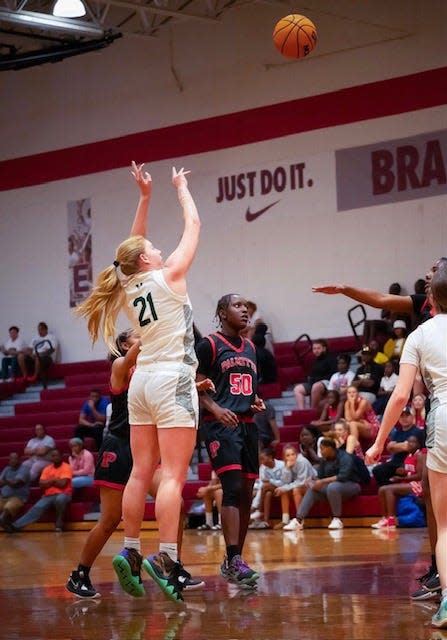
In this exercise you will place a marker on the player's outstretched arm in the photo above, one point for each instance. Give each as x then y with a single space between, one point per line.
376 299
144 182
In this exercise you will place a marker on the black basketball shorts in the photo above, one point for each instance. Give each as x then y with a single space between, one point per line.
232 448
114 463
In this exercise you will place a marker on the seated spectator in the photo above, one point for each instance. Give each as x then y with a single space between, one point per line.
267 369
405 481
397 447
211 496
38 451
345 440
393 346
55 481
268 432
378 356
14 352
368 375
361 417
307 444
82 464
14 489
296 471
255 320
343 377
270 470
321 371
418 407
387 384
332 410
42 353
92 418
337 481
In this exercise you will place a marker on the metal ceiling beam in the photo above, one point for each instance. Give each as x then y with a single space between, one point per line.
46 21
136 6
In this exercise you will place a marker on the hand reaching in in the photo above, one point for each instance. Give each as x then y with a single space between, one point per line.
142 178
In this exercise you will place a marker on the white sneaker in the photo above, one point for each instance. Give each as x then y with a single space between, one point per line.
383 522
335 523
256 515
291 526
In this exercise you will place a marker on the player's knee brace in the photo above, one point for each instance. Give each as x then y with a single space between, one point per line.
231 485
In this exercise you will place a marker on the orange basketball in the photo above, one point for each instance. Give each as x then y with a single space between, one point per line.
295 36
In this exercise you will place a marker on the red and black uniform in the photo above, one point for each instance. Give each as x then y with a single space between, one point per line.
115 459
230 362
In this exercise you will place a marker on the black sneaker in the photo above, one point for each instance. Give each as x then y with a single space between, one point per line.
433 583
425 594
79 584
168 574
190 583
127 565
238 572
431 571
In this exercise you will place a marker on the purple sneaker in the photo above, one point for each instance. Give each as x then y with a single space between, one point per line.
238 572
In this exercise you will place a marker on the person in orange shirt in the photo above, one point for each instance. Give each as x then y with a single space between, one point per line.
55 481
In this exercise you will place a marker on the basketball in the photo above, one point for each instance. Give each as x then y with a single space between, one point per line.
295 36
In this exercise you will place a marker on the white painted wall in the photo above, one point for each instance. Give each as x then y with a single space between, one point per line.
274 260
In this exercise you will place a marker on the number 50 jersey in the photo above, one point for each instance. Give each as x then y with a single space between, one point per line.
232 368
162 319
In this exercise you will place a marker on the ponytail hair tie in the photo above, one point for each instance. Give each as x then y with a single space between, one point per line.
116 264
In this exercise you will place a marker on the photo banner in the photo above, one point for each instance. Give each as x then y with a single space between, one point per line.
79 249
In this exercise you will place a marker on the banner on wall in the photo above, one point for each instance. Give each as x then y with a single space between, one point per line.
392 171
79 249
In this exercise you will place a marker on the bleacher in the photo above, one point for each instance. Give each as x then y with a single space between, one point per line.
58 410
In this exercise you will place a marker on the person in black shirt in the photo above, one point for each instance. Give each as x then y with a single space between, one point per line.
230 434
323 366
368 376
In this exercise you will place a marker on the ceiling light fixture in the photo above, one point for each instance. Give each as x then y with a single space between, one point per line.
46 21
69 9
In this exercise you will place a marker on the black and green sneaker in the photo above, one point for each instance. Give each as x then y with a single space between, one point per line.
127 565
167 573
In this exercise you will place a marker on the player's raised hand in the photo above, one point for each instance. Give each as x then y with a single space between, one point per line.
330 289
142 178
179 177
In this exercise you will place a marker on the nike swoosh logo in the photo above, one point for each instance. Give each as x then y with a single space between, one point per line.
249 216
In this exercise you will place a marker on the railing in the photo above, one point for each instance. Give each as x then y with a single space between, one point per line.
356 323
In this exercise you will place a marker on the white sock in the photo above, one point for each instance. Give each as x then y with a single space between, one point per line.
171 549
285 518
209 519
133 543
219 521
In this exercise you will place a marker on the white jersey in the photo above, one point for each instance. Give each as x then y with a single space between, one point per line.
426 348
162 319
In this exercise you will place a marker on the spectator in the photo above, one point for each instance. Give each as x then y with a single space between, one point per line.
406 481
14 351
331 412
42 353
270 471
387 384
267 369
394 346
361 417
345 440
211 496
378 356
322 369
38 450
92 418
343 377
255 320
307 445
419 409
82 464
337 481
296 472
268 432
397 447
14 485
56 484
368 376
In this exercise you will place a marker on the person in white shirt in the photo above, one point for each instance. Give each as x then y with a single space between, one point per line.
426 350
270 476
14 351
42 351
297 471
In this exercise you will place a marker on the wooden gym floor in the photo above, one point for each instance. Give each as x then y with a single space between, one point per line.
352 584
